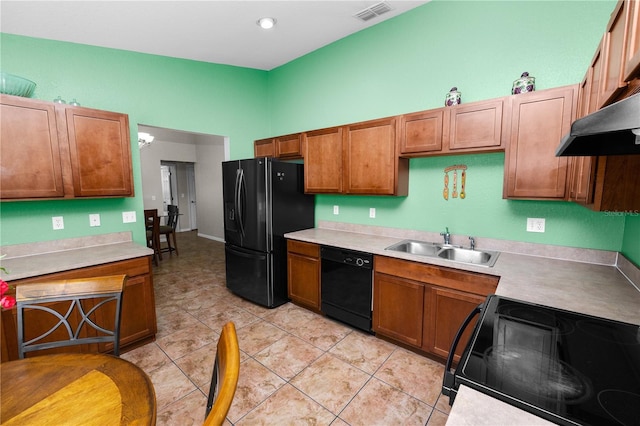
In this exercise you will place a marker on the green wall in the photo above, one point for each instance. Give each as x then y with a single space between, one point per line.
405 64
153 90
408 64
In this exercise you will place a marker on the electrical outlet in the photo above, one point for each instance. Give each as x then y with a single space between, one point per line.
128 217
372 213
94 220
336 209
58 222
535 224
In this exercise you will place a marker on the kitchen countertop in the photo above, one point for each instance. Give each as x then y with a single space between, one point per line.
34 259
581 280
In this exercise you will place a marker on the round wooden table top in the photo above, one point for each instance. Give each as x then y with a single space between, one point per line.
76 389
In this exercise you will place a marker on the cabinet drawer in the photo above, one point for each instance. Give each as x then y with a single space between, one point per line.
300 247
470 282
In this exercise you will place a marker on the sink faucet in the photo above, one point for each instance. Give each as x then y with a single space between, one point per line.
472 240
446 235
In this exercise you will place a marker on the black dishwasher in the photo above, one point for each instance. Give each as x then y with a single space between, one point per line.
346 286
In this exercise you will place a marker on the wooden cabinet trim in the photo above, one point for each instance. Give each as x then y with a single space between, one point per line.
632 59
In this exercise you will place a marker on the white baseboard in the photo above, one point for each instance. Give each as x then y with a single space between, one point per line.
211 237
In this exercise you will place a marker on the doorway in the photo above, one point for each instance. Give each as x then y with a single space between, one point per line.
179 188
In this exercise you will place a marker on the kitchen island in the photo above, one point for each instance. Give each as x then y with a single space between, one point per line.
98 255
593 282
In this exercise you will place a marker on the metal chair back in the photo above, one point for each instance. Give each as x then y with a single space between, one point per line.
83 311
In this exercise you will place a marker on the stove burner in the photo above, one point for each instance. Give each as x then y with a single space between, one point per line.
535 315
534 373
622 406
629 335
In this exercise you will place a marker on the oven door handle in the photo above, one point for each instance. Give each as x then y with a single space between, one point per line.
448 381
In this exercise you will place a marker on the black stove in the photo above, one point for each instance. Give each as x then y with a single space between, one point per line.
566 367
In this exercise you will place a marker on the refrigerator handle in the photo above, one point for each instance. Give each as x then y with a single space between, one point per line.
239 200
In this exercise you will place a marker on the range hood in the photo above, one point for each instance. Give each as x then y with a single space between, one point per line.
612 130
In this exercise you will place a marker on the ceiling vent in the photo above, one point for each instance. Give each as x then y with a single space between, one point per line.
373 11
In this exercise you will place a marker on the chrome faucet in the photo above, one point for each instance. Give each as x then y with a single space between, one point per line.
472 240
446 235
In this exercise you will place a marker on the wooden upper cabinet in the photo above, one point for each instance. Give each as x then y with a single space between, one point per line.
421 132
60 151
29 150
289 146
614 49
100 151
322 151
469 128
538 122
264 148
372 166
477 126
632 51
596 77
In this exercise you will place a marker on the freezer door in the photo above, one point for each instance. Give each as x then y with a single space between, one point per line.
249 274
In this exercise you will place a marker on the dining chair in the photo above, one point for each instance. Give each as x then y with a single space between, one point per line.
169 230
152 224
224 381
87 311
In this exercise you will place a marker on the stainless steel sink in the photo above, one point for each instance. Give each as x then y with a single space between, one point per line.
422 248
475 257
446 251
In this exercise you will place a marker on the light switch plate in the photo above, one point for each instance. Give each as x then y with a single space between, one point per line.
336 209
128 217
94 220
535 224
372 212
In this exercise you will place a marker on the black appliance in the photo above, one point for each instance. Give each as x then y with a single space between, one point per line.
263 200
346 277
612 130
566 367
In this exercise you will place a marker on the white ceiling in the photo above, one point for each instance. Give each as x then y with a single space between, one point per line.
223 32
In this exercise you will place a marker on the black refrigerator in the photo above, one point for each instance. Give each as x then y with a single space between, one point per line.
263 200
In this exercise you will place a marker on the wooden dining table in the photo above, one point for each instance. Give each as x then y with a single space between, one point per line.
75 389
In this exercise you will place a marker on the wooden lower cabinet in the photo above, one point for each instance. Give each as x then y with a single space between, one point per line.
423 305
138 321
303 273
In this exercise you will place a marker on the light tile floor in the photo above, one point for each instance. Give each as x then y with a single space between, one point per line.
297 367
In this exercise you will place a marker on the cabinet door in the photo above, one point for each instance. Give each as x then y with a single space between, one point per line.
264 148
289 146
421 131
303 266
582 169
100 152
476 126
632 57
449 308
538 122
615 39
398 308
323 164
29 150
371 163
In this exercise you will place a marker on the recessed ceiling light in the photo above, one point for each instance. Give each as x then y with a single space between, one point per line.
266 23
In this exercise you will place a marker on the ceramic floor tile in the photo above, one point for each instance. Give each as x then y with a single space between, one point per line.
288 406
331 382
287 343
188 411
363 351
198 365
187 340
148 357
288 356
381 404
255 384
170 385
258 336
416 375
